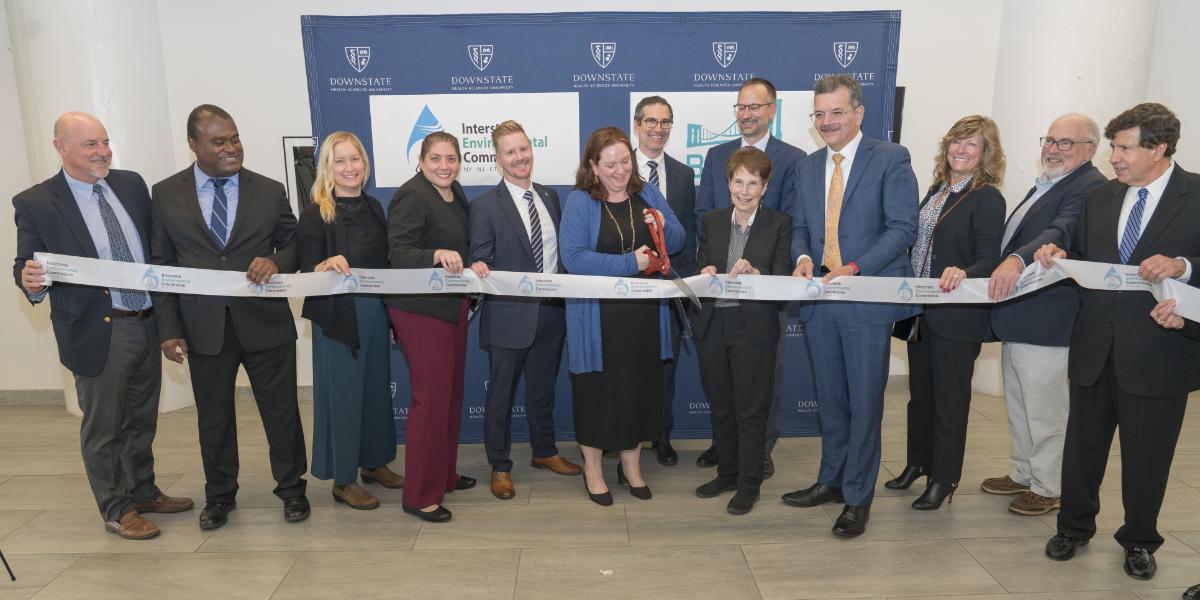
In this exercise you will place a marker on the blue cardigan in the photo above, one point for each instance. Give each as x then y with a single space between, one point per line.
577 236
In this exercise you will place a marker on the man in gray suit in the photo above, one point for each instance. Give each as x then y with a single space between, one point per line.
652 121
514 227
219 216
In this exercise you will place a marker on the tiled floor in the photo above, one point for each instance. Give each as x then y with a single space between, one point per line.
551 542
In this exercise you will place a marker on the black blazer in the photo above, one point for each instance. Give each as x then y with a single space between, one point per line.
1044 317
1148 360
48 220
968 238
264 226
417 227
681 197
498 238
769 249
316 241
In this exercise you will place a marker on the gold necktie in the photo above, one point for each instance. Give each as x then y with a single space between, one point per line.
833 214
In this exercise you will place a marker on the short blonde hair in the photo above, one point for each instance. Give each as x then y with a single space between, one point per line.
504 129
991 164
322 189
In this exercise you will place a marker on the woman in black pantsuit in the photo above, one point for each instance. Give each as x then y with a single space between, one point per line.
736 339
958 237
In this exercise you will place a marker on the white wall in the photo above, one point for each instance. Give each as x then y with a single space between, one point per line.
1173 79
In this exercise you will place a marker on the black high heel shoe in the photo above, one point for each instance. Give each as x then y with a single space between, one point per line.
604 499
638 492
934 495
907 477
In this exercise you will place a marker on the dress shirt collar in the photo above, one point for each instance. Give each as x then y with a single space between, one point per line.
518 192
1158 186
760 144
83 191
848 151
660 160
733 216
202 178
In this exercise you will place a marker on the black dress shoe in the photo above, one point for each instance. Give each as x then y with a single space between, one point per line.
216 514
742 502
716 487
296 508
708 458
1192 593
437 515
1139 563
815 495
464 483
604 499
935 494
1062 547
768 467
642 493
666 454
853 521
907 477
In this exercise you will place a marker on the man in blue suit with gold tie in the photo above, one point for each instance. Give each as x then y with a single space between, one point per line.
855 214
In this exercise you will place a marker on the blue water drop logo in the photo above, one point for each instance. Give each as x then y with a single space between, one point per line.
435 282
150 280
350 283
905 293
714 287
813 290
526 286
425 125
1112 279
621 288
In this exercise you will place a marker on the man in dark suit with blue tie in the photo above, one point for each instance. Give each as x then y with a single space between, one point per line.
1036 328
107 337
652 121
755 109
514 227
870 183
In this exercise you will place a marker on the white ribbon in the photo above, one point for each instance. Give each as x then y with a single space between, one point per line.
895 290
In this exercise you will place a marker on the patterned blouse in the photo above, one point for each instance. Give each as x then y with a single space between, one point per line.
929 218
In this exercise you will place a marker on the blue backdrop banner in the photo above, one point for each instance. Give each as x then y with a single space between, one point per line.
391 80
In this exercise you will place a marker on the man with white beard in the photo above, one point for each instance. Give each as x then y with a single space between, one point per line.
1036 328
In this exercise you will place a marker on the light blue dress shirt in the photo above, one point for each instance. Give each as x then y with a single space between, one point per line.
206 193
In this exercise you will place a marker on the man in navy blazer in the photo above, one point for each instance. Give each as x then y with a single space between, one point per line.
755 109
855 214
1036 328
107 338
514 227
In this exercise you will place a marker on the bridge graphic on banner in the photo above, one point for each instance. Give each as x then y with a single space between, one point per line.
697 135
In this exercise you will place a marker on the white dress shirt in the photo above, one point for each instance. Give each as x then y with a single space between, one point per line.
848 151
761 144
644 169
549 234
1154 194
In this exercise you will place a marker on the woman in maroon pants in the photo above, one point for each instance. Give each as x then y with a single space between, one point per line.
427 227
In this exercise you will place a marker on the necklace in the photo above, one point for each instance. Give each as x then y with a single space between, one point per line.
632 233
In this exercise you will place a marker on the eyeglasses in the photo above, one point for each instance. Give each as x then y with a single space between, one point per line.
835 116
652 123
748 107
1063 145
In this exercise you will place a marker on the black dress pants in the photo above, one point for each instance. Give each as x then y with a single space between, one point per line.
737 378
272 376
1149 431
939 383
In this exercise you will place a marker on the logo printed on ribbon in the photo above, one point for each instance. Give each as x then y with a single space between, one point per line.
603 52
526 286
1112 279
350 283
150 280
255 288
714 287
845 52
813 289
621 288
724 52
905 293
435 282
481 56
358 56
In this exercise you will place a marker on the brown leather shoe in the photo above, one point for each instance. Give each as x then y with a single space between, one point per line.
133 526
558 464
1030 503
502 486
1003 485
354 495
164 504
383 476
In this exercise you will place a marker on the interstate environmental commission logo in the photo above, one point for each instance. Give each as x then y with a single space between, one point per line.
350 283
905 293
714 287
845 52
813 289
358 56
426 124
526 286
603 52
256 289
150 280
481 55
724 52
435 282
1112 279
621 288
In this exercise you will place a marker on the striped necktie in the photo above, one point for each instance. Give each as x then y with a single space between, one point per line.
653 173
535 231
118 246
217 223
1133 227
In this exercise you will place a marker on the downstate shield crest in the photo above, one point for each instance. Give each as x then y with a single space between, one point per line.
358 56
845 52
724 52
481 56
603 52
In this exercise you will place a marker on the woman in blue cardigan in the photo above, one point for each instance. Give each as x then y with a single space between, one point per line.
617 377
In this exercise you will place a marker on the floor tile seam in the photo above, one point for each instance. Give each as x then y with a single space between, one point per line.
60 574
39 513
1185 544
517 573
625 514
981 565
750 569
285 575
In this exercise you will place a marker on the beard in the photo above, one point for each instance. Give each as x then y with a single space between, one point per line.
1053 170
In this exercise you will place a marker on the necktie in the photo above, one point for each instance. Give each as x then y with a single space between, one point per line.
833 214
653 174
217 223
1133 227
119 247
535 230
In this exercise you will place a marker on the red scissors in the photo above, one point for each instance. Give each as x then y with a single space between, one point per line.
660 262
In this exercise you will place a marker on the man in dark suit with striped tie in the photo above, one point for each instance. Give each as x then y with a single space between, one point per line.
514 227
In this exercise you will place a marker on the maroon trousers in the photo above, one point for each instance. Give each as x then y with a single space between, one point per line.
437 358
